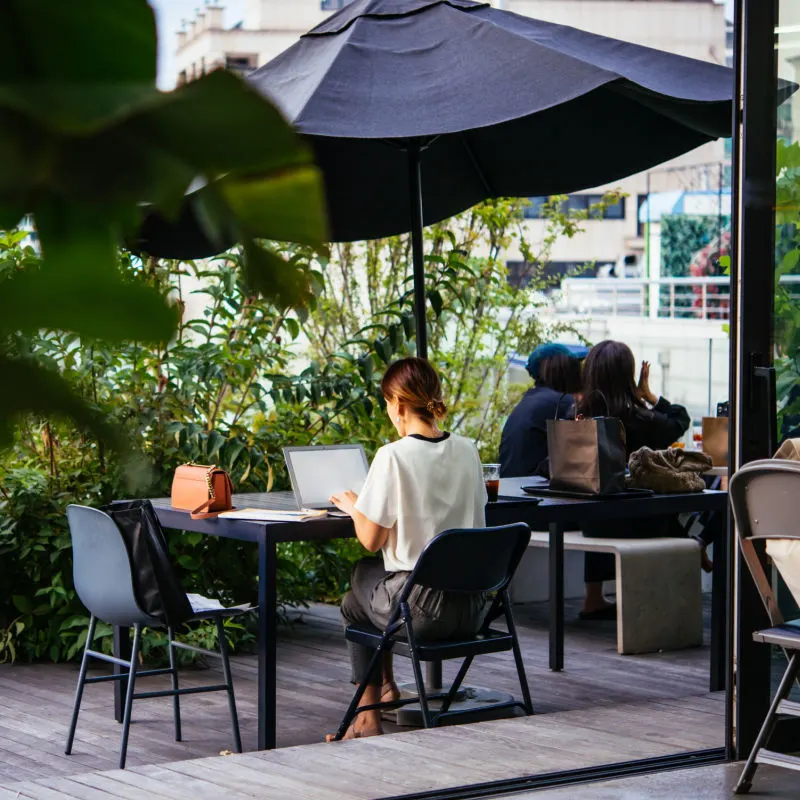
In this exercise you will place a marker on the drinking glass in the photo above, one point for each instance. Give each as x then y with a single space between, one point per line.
491 477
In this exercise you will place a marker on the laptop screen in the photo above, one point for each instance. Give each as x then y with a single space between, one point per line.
318 472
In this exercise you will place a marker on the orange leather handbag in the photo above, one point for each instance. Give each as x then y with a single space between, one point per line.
204 491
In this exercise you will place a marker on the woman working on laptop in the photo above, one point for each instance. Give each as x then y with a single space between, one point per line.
426 482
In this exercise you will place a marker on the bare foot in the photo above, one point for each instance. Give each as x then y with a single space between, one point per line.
389 692
357 732
591 608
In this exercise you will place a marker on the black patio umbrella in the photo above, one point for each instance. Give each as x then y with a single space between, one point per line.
418 109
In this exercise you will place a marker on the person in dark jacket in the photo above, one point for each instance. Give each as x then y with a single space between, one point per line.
556 371
610 389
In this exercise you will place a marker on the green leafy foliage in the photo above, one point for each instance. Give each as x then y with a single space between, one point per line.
477 318
242 377
216 393
90 147
682 236
787 310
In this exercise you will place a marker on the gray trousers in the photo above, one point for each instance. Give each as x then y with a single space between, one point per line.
435 615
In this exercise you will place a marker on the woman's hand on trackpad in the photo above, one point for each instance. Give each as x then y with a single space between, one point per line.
346 501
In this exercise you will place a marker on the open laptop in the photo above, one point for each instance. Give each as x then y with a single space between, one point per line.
318 472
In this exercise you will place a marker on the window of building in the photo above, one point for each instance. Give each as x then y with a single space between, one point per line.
241 64
534 210
615 211
521 272
578 202
641 199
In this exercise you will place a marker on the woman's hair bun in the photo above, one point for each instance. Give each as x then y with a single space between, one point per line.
436 408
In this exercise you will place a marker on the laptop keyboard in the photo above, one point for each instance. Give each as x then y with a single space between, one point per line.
282 501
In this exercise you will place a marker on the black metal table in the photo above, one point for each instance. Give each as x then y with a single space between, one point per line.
559 514
554 515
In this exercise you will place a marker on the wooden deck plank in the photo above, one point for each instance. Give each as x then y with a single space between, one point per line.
179 785
64 788
34 791
258 776
226 779
270 780
313 691
668 727
381 776
127 784
368 768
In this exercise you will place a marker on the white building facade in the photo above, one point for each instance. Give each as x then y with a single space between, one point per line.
692 28
267 28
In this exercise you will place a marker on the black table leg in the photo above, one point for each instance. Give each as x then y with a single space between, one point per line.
122 649
267 642
556 551
719 591
433 676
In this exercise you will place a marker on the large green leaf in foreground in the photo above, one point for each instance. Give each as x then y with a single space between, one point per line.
90 146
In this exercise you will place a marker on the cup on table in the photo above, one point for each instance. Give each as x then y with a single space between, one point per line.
491 477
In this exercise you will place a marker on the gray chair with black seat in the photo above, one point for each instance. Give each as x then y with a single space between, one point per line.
105 581
479 560
765 498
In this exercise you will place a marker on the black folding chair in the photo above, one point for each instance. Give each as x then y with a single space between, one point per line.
459 561
765 498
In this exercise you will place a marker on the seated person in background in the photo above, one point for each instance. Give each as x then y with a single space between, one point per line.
425 483
556 371
610 389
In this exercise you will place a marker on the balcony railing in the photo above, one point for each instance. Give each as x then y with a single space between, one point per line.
663 298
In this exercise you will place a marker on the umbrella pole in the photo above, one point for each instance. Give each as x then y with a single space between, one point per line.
415 198
434 668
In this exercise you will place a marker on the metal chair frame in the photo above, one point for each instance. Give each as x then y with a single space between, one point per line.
138 619
770 519
486 640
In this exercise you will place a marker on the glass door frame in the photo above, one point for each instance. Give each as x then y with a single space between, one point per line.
752 384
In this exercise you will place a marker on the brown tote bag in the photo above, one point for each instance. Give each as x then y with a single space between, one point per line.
715 440
204 491
587 455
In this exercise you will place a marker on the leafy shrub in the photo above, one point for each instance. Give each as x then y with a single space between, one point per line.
204 397
242 377
682 235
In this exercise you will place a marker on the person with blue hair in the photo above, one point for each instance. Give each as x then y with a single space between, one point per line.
556 371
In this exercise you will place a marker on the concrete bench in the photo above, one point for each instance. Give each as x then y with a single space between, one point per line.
659 592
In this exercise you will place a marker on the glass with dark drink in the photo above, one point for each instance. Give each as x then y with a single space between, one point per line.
491 477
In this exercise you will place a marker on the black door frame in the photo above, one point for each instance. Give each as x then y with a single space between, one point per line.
752 324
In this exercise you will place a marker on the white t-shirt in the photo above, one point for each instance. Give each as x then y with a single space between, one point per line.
785 553
419 488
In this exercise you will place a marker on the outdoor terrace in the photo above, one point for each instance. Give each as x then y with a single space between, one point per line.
603 708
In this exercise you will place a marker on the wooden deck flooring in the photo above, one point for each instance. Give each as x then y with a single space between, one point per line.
603 707
387 766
